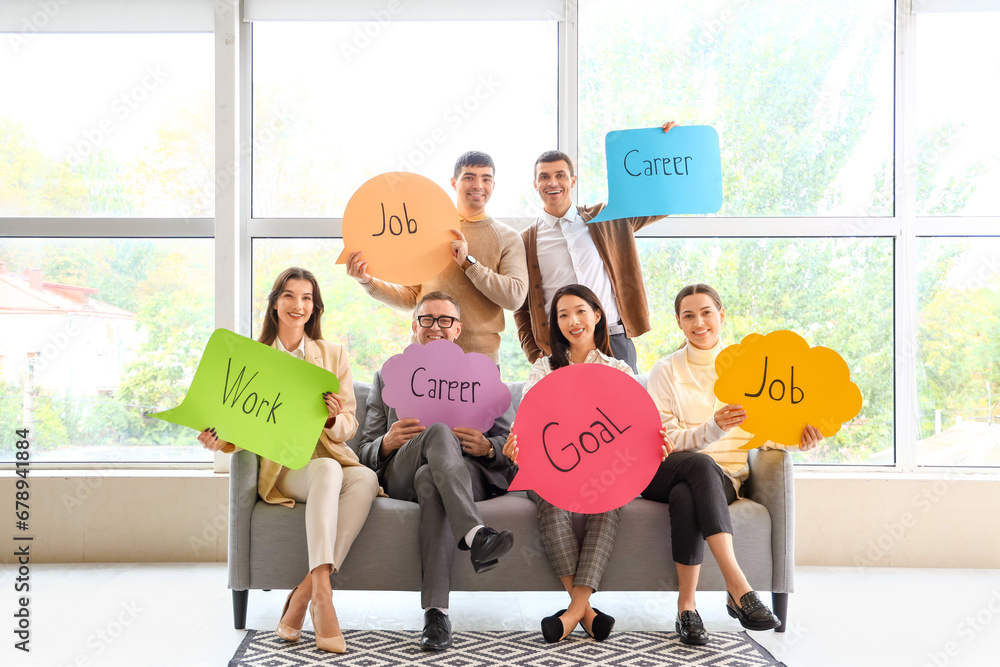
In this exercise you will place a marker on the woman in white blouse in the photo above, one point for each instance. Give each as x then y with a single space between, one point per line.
699 488
335 486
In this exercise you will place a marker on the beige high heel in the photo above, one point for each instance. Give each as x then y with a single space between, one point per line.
329 644
287 632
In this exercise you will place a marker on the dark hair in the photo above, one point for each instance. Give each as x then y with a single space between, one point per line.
554 156
558 342
474 159
438 296
699 288
312 328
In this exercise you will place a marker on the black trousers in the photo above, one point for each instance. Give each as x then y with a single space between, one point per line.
698 493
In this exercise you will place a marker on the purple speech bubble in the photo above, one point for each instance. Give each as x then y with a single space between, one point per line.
439 383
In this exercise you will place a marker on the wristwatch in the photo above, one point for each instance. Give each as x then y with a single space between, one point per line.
492 454
469 261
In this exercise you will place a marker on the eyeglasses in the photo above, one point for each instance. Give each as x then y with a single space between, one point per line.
444 321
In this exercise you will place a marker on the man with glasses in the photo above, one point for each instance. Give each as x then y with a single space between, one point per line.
444 470
489 274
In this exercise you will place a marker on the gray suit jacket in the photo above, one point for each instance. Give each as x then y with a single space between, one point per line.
497 473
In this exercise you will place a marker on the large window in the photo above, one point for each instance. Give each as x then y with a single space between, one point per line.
958 149
108 125
334 106
107 185
800 93
957 184
861 169
958 327
95 334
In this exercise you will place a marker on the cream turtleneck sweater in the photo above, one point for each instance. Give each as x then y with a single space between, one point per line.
683 387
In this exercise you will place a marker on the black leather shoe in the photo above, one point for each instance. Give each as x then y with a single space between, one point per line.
689 626
487 546
752 613
602 626
485 567
437 631
552 627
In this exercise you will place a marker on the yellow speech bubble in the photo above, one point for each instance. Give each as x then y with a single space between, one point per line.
402 223
784 385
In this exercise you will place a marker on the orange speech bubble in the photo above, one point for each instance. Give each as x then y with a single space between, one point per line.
784 384
402 224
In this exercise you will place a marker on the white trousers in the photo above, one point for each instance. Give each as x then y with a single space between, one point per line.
337 501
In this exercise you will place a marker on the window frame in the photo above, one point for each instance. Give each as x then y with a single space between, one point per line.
234 230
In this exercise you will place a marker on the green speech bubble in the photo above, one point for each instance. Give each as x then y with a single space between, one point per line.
258 398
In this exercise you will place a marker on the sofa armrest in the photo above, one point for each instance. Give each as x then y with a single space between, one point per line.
771 484
242 498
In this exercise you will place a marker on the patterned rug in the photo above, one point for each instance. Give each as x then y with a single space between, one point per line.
375 648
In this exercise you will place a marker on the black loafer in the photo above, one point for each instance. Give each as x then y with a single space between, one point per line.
689 626
552 627
487 546
752 613
602 626
437 631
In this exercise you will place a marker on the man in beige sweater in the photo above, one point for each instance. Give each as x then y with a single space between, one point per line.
489 273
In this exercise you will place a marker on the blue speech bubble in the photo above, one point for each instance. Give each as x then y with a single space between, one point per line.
652 172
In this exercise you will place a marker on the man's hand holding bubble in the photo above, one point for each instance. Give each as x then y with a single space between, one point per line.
397 227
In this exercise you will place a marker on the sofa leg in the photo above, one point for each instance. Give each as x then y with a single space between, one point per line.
240 609
780 603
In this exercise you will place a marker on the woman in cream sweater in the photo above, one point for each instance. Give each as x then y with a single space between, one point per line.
699 488
338 491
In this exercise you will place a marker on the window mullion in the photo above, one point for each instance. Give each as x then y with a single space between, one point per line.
905 292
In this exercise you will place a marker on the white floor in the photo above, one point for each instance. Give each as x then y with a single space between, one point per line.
151 615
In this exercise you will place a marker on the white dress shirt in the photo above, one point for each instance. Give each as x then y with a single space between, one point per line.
567 255
298 353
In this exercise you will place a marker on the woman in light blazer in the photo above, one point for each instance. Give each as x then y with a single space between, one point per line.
337 489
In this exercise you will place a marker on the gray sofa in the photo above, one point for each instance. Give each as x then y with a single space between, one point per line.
267 543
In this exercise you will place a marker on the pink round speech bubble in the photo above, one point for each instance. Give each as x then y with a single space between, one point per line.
439 383
588 438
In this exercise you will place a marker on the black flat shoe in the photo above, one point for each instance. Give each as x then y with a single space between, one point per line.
437 631
752 613
487 546
552 627
689 626
602 626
